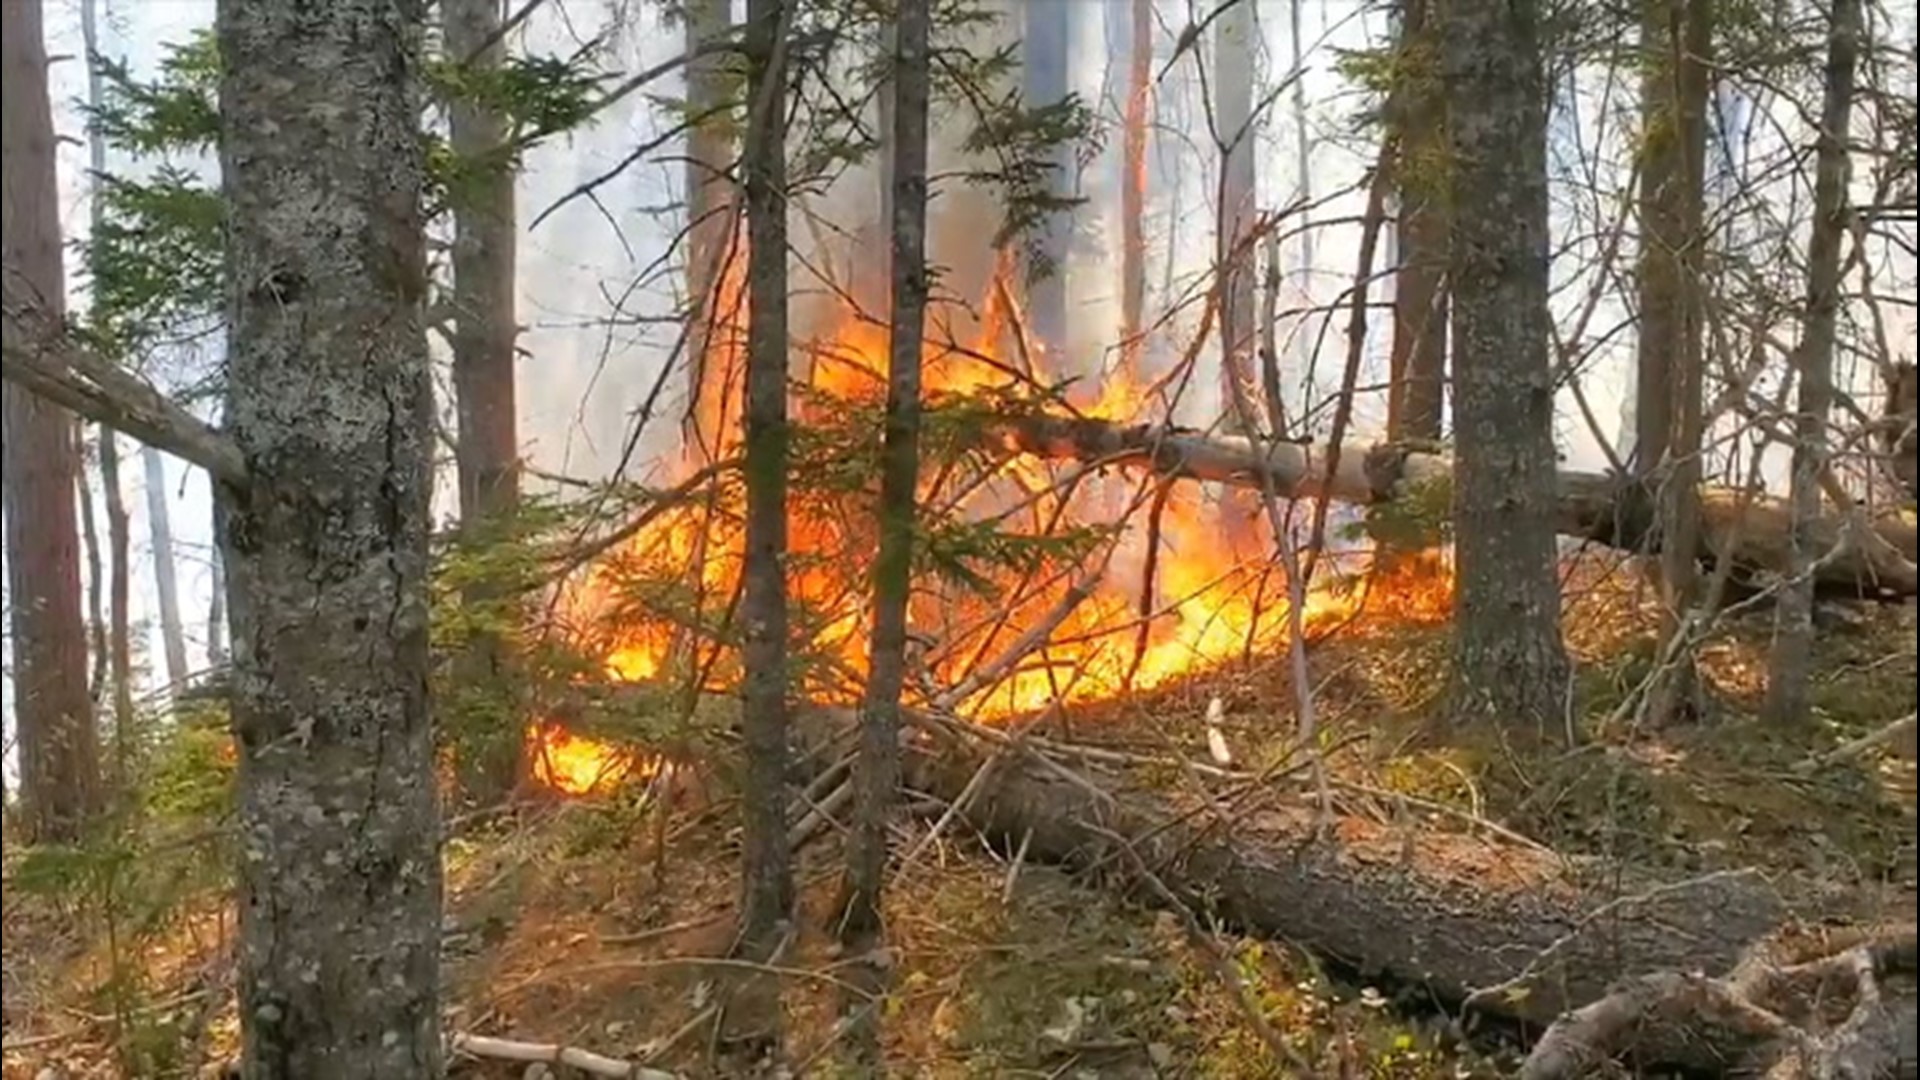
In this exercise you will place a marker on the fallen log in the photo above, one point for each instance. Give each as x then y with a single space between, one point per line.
1751 530
1505 931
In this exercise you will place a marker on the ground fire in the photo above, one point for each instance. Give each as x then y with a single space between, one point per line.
1185 583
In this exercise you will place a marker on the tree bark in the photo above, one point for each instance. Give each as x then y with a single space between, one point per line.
119 604
58 751
329 401
877 769
1235 256
1416 396
1751 530
767 873
96 576
1898 435
166 570
217 612
711 226
1672 359
487 449
1510 666
1790 670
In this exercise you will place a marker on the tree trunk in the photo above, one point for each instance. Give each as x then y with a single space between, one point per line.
217 611
96 575
1137 17
1234 252
487 450
877 770
119 531
119 605
1898 435
1044 59
767 872
711 228
58 752
330 402
1789 672
166 570
1672 360
1417 364
1510 666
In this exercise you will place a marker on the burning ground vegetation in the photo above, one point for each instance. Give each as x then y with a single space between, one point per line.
1080 630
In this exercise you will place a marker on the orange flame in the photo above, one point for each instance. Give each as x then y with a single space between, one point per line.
1207 593
575 765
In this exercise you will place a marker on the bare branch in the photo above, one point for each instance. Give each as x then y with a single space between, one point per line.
47 361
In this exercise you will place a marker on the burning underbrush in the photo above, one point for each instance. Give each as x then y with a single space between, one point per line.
1037 584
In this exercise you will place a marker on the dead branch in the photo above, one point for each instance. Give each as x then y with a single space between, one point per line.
1765 1013
586 1061
1899 734
49 362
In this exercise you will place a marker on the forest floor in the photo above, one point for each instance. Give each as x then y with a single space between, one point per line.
574 925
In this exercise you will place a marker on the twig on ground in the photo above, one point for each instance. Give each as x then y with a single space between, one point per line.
482 1046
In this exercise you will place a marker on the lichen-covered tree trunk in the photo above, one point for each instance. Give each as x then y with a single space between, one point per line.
877 770
1792 656
1678 38
766 871
710 224
58 748
1418 358
487 450
329 400
1510 666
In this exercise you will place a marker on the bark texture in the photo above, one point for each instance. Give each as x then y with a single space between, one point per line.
487 450
1417 362
329 401
1510 667
1790 667
877 770
767 872
58 750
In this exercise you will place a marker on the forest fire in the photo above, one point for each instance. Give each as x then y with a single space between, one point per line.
1046 584
575 765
